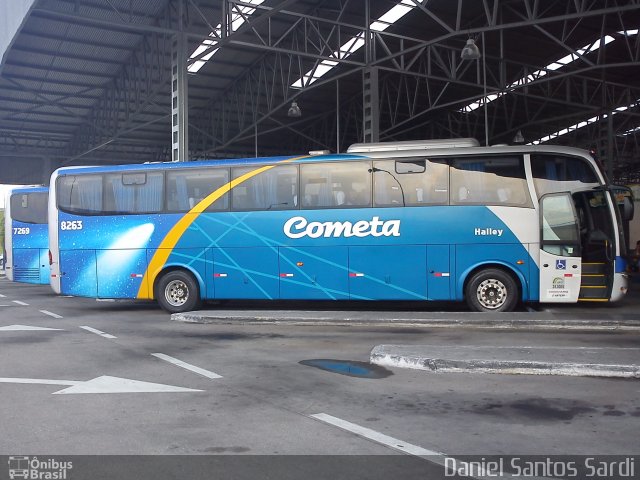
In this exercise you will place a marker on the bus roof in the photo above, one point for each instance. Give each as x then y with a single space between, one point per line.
356 151
28 189
234 162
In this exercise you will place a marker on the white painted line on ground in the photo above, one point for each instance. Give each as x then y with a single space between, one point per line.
396 444
187 366
51 314
20 303
2 296
98 332
104 384
23 328
377 437
107 384
40 381
105 300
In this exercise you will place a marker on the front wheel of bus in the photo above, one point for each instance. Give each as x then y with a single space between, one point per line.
492 290
177 292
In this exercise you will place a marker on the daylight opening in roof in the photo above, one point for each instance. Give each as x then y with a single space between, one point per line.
355 43
584 123
562 62
239 15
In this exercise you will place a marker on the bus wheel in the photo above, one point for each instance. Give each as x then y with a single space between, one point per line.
491 290
177 292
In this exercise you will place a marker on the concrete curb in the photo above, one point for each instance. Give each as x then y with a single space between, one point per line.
321 319
387 356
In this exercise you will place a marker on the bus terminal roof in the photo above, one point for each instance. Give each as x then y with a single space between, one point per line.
88 82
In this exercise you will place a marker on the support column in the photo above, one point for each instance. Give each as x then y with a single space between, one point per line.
46 170
610 140
179 100
371 105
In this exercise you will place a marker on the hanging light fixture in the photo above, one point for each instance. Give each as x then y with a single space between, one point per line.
294 110
519 138
470 51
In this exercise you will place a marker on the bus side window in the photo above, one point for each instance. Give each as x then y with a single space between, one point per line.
489 180
411 182
130 193
80 193
336 185
186 188
273 189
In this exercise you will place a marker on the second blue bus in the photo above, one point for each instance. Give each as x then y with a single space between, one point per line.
26 235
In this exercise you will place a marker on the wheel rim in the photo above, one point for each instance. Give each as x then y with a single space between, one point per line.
492 293
176 293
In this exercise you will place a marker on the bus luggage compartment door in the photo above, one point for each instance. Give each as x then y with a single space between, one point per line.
314 273
439 272
245 272
397 272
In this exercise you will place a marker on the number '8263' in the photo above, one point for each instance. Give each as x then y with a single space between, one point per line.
71 225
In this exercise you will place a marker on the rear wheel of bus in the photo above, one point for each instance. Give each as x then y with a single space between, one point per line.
492 290
177 291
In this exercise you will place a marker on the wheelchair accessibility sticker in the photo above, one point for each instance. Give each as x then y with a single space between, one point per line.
561 264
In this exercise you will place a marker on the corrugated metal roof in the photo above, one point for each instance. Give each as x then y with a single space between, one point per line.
97 70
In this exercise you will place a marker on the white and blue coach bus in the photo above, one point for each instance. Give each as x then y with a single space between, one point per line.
427 220
26 235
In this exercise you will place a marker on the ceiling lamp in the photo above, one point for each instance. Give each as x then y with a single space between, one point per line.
519 138
470 51
294 110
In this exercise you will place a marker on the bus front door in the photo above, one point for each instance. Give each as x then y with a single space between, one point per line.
560 261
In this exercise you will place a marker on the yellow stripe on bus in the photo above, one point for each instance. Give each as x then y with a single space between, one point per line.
171 239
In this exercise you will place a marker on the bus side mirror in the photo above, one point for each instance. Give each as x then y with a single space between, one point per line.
627 209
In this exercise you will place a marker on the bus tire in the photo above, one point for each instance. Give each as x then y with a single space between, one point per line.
177 291
491 290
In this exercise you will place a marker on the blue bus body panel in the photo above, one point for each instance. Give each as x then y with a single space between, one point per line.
412 253
389 272
319 273
30 253
246 273
439 272
120 271
78 275
469 257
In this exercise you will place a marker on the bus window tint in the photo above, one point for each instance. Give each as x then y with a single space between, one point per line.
555 173
410 182
489 181
273 189
81 194
330 185
186 188
29 207
134 192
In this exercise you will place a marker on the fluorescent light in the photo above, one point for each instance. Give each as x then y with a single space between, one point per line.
561 62
584 123
355 43
629 132
238 15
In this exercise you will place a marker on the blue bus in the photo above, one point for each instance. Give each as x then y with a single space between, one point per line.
26 235
424 220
